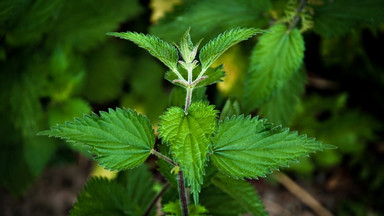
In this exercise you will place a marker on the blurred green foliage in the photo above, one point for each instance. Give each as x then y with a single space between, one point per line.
56 63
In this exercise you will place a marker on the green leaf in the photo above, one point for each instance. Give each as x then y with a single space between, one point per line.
129 194
336 18
160 49
275 58
246 147
187 49
216 47
241 191
209 18
174 208
280 109
188 137
120 139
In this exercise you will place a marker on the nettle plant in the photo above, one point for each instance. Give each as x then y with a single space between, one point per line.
206 157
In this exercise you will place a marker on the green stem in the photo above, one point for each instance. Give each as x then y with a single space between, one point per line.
154 201
161 156
182 193
188 99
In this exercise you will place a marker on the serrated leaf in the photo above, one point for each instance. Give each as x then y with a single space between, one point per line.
129 194
241 191
209 18
280 109
275 58
160 49
246 147
216 47
188 137
120 139
336 18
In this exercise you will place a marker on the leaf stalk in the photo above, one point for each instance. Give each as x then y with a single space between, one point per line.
161 156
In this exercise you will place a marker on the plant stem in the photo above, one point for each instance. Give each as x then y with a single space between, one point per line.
159 155
297 17
188 99
154 201
182 193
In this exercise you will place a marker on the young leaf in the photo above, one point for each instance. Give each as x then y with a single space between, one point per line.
275 58
188 137
246 147
120 139
241 191
216 47
160 49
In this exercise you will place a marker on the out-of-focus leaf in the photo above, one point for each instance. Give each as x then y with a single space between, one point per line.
37 19
105 76
129 194
335 18
276 57
83 24
60 113
280 109
241 191
209 18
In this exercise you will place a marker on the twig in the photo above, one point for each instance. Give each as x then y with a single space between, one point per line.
154 201
302 195
182 194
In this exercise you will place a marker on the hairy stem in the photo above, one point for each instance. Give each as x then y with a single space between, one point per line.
188 99
161 156
182 193
297 17
154 201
